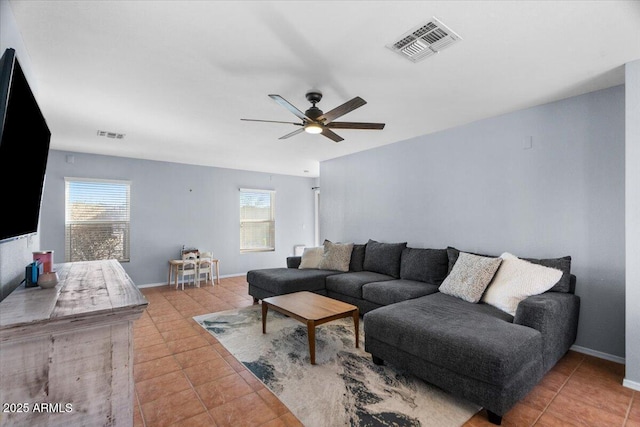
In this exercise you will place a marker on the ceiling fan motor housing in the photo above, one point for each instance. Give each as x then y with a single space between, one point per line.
313 113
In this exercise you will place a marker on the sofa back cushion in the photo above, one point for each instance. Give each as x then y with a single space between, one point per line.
357 258
562 263
424 265
383 258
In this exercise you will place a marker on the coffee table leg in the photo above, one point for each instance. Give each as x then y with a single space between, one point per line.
356 325
265 307
311 332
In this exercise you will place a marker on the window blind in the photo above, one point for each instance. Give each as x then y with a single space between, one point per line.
97 219
257 220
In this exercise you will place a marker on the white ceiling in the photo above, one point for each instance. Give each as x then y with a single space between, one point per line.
177 76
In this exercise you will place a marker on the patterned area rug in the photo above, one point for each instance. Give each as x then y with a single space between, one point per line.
344 388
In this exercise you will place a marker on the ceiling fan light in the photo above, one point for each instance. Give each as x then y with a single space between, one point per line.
313 128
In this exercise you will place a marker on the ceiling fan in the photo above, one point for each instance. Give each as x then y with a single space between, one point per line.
315 121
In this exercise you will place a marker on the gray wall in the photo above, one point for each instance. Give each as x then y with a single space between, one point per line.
475 187
16 254
632 141
174 204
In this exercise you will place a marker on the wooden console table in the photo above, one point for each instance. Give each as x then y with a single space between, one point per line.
66 353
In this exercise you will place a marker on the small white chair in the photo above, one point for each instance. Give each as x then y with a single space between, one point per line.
188 269
205 266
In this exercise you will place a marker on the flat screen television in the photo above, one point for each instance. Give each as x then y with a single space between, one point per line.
24 149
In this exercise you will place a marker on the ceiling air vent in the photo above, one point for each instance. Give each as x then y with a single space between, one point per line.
113 135
424 40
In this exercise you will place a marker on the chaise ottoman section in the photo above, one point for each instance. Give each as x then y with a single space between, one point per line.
270 282
472 350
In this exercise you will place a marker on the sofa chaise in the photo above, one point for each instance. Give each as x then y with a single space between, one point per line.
415 319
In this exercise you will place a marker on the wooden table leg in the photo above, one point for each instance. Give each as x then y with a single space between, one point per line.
311 332
217 273
169 279
265 307
356 325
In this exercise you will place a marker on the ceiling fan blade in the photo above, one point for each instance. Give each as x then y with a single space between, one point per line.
342 110
295 132
286 104
355 125
271 121
331 135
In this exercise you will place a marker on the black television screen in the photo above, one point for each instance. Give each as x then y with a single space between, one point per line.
24 149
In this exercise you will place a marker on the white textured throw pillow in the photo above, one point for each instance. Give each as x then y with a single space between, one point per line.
311 258
516 280
336 256
470 276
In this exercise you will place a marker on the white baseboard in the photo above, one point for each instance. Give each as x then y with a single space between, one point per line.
154 285
598 354
634 385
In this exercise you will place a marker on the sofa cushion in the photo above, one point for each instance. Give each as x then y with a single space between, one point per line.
476 340
311 257
470 276
351 283
357 257
424 265
383 258
563 264
517 279
390 292
336 256
280 281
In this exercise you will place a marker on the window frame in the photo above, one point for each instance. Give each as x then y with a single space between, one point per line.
124 224
272 229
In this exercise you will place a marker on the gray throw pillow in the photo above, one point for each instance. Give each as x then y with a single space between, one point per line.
383 258
424 265
470 277
336 256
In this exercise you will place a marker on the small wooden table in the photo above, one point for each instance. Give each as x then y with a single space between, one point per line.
311 309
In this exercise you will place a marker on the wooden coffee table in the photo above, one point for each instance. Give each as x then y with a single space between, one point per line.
311 309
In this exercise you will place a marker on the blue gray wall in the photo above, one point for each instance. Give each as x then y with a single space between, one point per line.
478 188
174 204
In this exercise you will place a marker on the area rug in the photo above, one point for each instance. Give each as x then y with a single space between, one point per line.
344 387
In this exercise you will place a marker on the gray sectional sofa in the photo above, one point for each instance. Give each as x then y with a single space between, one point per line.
473 350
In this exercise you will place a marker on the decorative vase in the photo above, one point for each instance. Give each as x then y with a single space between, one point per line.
48 279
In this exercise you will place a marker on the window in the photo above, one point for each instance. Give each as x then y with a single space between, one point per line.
96 219
257 220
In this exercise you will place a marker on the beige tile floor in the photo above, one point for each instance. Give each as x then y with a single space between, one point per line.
184 377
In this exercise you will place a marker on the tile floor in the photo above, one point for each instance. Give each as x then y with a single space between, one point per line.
184 377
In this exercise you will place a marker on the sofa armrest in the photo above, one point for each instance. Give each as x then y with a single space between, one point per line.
294 261
555 315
